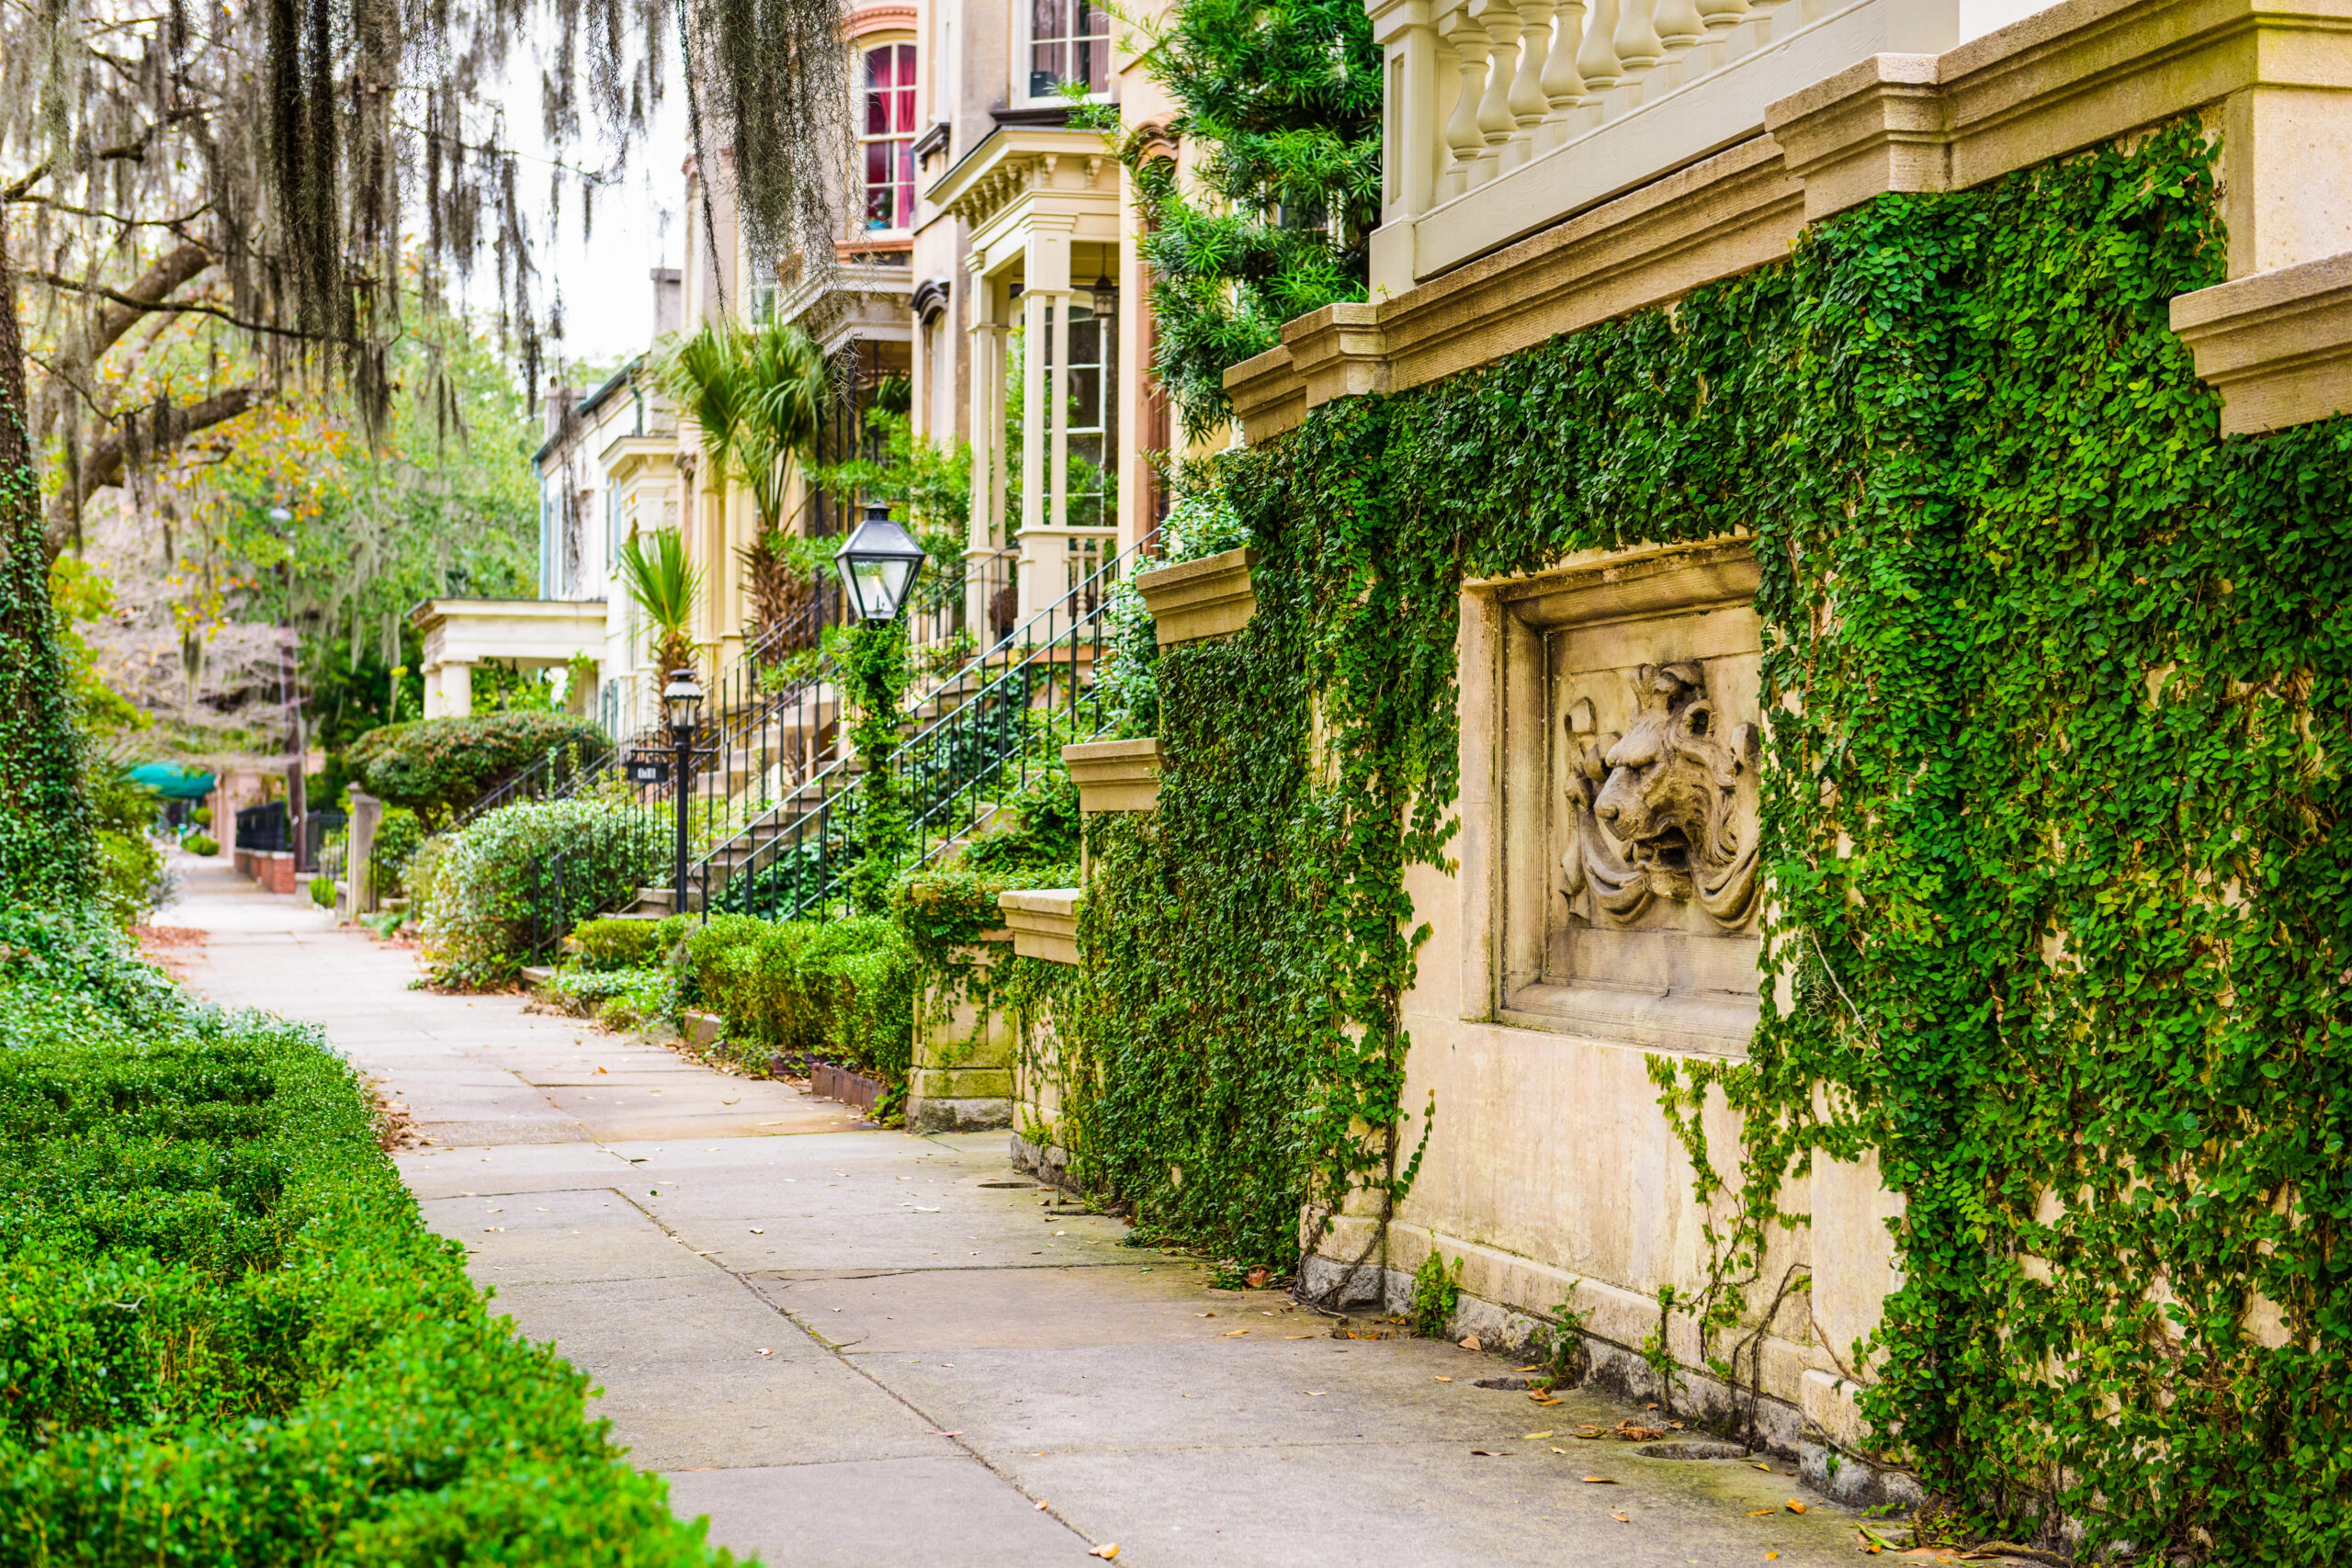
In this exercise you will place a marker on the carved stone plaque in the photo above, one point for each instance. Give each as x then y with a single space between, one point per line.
1629 750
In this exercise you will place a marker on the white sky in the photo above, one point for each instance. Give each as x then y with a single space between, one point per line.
606 294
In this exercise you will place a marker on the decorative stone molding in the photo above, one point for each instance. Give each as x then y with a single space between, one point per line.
1116 775
2276 83
1208 597
1044 923
2278 346
1667 810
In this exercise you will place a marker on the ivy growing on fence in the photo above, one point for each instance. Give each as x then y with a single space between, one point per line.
2061 908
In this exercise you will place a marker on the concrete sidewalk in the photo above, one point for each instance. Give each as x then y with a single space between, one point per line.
855 1347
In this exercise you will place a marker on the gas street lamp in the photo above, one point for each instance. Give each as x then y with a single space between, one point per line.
682 700
878 565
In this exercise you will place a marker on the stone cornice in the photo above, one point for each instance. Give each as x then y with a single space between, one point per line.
2277 346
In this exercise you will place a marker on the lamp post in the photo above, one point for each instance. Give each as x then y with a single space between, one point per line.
682 700
878 565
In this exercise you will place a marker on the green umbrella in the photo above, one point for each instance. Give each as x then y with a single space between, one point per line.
174 781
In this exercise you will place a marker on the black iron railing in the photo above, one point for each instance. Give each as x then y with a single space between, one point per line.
981 737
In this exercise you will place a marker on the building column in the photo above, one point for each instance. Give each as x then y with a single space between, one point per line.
457 688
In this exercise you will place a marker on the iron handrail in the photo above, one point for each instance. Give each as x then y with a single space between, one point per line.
757 849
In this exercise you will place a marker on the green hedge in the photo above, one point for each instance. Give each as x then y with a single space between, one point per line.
843 988
226 1335
434 765
535 868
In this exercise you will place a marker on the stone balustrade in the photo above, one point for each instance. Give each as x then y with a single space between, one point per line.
1508 115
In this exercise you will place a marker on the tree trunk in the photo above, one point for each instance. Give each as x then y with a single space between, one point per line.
44 814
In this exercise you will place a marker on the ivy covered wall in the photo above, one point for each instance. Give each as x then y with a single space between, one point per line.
2052 837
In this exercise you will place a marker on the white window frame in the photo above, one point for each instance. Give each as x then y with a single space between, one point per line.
1026 54
861 47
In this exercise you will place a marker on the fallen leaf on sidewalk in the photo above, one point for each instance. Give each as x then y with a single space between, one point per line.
1536 1368
767 1352
1442 1378
1765 1468
1204 1314
1470 1342
1793 1507
1298 1337
1771 1557
930 1434
1598 1480
1759 1513
1041 1505
1533 1435
757 1231
1230 1332
1107 1551
1621 1519
1491 1453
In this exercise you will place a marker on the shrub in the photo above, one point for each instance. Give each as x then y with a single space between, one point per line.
398 837
434 765
843 989
1437 1290
200 844
618 999
532 869
617 943
322 891
202 817
229 1337
130 875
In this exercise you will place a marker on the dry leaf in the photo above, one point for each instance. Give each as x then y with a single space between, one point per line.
1258 1278
1759 1513
1765 1468
1041 1505
1204 1314
1621 1519
1492 1453
1107 1551
1771 1557
1598 1480
1533 1435
1536 1368
1470 1342
1793 1507
1230 1332
1547 1401
1675 1425
1442 1378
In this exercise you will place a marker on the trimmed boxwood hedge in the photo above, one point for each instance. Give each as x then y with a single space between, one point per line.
226 1335
432 766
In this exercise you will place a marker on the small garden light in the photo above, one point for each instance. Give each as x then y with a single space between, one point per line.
878 565
682 699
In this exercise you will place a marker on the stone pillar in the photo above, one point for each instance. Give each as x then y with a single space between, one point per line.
457 688
358 855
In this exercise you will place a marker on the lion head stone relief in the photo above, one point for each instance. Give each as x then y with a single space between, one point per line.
1666 810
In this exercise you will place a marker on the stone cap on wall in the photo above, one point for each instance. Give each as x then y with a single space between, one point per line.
1201 598
2277 346
1044 923
1116 775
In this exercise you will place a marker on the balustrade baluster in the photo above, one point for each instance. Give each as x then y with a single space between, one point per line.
1721 16
1638 45
1500 21
1598 62
1529 101
1679 25
1462 132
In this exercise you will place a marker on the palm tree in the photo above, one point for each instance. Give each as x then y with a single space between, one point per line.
664 585
761 395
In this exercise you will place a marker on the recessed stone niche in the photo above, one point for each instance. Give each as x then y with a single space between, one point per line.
1629 737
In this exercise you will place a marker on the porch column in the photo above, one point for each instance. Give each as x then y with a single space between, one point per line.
456 688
